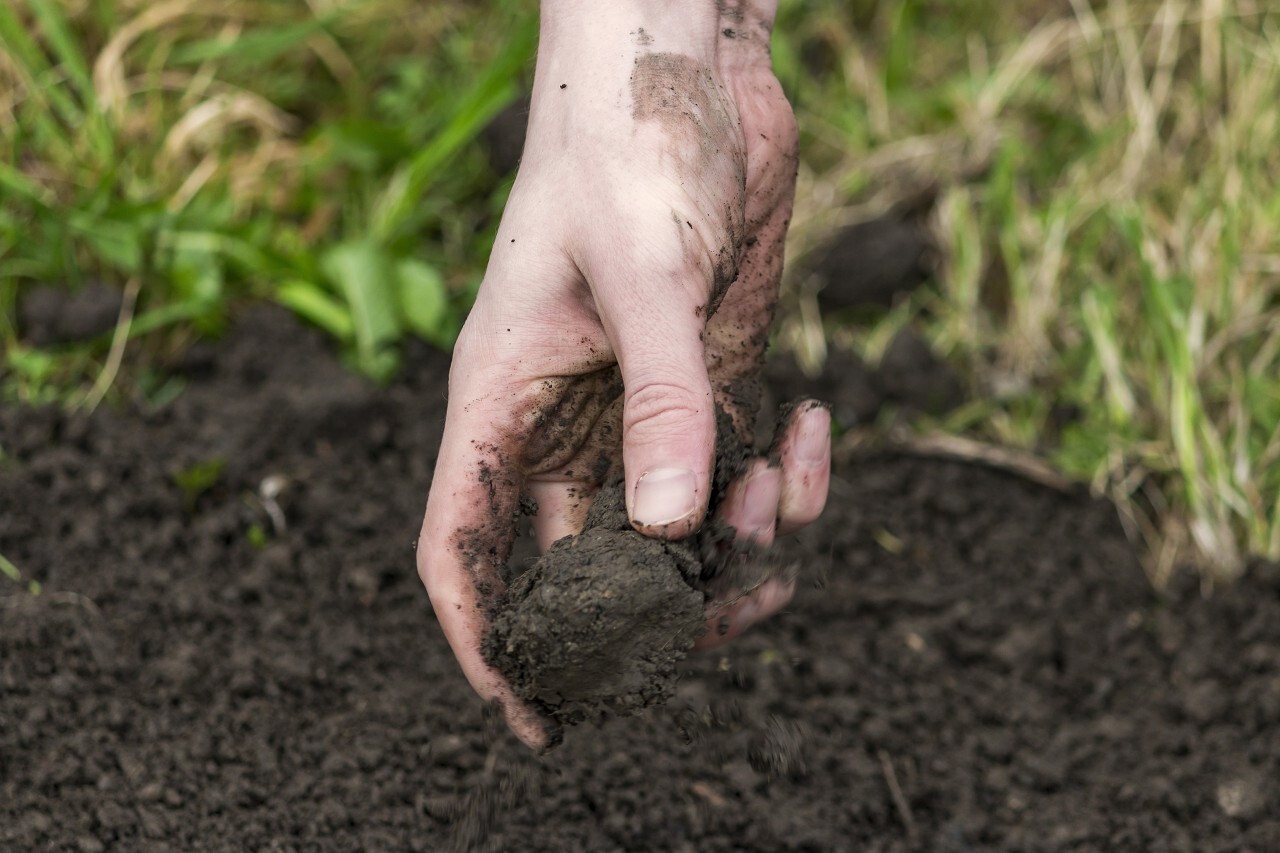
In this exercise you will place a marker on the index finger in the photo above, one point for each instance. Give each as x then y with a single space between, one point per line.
468 530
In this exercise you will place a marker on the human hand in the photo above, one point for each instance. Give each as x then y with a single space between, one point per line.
630 289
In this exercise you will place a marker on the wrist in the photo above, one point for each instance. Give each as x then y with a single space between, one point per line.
610 30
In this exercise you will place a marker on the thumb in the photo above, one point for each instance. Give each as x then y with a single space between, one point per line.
668 418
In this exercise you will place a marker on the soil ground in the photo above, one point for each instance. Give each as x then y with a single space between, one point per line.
972 662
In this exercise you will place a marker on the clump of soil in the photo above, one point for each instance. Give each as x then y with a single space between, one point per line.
601 620
598 624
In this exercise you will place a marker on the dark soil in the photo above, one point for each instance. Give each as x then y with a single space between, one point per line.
972 662
598 624
871 264
910 375
54 315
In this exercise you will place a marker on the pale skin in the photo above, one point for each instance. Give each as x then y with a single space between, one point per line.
659 166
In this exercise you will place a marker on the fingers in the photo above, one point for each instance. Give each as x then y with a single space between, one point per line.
562 509
750 506
668 419
804 449
468 529
769 500
725 622
751 503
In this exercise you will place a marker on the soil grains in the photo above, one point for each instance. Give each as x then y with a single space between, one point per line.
599 623
246 659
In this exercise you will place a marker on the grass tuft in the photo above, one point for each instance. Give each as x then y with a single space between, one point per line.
1107 210
229 152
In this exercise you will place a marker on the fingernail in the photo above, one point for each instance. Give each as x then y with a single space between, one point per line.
760 503
813 441
664 496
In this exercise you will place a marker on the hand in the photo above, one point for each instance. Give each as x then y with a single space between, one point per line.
631 287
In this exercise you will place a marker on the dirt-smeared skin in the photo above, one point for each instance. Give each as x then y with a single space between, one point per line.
683 97
599 622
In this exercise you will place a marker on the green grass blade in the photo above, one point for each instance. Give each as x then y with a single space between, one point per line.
19 184
479 104
30 62
314 305
901 50
9 570
70 54
169 315
259 45
22 48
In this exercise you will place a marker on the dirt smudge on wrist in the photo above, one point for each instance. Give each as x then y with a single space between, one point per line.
681 94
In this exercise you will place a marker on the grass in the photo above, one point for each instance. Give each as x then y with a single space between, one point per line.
10 571
1104 172
1107 213
315 154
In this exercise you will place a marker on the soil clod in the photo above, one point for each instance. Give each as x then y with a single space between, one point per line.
598 624
600 621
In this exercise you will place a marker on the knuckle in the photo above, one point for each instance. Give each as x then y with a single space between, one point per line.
662 410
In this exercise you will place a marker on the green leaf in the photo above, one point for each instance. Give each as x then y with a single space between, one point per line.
424 300
117 243
259 45
244 253
198 274
364 276
33 365
198 479
490 93
381 367
316 306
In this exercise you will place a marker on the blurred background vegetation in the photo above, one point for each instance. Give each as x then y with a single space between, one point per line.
1100 180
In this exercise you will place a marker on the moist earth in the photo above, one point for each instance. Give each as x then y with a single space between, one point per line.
598 623
247 660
